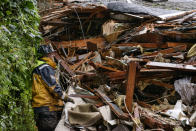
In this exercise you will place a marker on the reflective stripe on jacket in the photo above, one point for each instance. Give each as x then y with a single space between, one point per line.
45 90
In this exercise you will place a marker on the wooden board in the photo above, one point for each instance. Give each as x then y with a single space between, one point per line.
131 84
99 41
181 67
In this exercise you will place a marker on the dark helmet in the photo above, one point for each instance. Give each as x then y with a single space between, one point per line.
44 49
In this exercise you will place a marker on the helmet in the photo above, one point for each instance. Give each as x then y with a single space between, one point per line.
44 49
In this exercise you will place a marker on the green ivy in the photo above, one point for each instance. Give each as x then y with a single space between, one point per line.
19 37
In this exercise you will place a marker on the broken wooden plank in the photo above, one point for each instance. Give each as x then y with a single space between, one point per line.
181 67
167 51
138 59
144 45
82 61
54 23
145 70
150 37
76 58
107 68
174 44
116 75
143 74
179 36
62 62
131 84
113 106
99 41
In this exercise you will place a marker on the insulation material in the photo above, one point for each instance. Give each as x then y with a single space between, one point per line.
186 89
192 51
111 30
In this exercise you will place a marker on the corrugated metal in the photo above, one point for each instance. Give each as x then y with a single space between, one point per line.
48 4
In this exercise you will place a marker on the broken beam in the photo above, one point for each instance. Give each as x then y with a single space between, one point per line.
81 43
106 68
62 62
167 51
113 107
131 84
182 67
144 73
82 61
144 45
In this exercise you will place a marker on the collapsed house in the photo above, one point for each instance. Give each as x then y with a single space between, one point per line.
128 67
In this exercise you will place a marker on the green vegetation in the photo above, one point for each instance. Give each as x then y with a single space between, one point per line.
19 37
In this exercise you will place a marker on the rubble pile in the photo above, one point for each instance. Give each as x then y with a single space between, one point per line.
133 66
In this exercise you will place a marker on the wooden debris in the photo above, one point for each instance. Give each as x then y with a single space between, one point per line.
144 45
169 50
182 67
82 61
107 68
116 55
113 107
131 80
80 43
62 62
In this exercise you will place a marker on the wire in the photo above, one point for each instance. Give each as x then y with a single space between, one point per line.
158 98
131 115
80 23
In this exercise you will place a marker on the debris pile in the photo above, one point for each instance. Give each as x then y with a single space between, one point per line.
133 66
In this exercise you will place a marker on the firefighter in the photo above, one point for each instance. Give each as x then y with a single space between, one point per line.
47 94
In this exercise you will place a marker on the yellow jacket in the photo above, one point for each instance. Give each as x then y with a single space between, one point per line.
45 90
